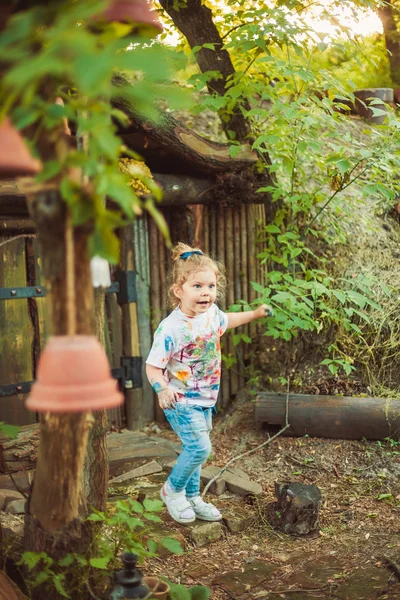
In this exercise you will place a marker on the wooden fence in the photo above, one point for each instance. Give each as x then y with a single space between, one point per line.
229 233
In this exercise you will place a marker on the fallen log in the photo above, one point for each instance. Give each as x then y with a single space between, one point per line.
337 417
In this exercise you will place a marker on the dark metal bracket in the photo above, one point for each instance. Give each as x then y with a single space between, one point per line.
124 287
129 375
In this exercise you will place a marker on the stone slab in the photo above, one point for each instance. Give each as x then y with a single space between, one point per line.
218 487
241 583
237 523
7 496
23 479
205 533
242 487
146 469
16 507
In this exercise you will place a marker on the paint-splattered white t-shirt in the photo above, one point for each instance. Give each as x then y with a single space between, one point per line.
188 350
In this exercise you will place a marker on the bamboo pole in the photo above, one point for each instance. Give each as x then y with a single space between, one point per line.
143 304
230 263
251 249
221 249
243 259
238 288
206 229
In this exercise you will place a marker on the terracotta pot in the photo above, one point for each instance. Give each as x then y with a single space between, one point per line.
161 589
15 158
73 376
139 12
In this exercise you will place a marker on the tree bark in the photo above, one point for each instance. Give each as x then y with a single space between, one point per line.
195 20
392 39
168 146
53 522
335 417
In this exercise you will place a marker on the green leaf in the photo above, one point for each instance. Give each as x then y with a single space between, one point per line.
152 546
101 562
66 561
51 168
10 431
136 506
58 581
153 505
343 165
96 517
179 592
172 545
199 592
341 296
151 517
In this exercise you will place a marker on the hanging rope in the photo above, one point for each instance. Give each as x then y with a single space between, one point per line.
70 277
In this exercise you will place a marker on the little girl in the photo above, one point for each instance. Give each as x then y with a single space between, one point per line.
184 368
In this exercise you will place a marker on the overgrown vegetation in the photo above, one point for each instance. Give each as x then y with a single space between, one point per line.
328 168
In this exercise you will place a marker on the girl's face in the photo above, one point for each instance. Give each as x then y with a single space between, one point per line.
198 292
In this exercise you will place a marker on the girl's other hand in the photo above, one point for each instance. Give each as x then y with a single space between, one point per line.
167 398
263 311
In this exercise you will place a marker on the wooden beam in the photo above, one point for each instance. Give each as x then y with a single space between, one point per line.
337 417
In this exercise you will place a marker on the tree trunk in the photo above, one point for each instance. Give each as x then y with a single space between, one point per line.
195 20
392 39
53 522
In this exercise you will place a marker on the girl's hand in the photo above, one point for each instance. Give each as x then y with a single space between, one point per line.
263 311
167 398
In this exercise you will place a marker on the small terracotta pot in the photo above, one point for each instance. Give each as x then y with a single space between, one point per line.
161 589
15 158
139 12
73 376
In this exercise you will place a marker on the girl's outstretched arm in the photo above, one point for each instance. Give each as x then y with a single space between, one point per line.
237 319
166 396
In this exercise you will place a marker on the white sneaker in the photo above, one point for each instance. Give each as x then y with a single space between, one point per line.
178 505
204 510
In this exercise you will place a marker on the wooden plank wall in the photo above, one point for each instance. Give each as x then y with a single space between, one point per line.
232 235
18 333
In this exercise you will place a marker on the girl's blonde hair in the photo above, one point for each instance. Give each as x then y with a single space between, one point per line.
183 267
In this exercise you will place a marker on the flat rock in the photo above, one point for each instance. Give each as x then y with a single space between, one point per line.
364 583
16 507
205 533
131 449
146 469
242 487
218 487
7 496
237 523
23 479
240 583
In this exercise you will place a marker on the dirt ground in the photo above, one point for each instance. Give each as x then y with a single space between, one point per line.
355 554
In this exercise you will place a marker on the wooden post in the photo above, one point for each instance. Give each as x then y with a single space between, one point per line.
130 333
52 521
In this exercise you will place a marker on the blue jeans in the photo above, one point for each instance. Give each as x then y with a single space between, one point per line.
192 424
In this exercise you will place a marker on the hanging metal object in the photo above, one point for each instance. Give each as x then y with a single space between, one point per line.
128 581
15 158
138 12
73 376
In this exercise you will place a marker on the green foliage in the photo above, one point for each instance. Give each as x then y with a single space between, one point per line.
56 51
126 527
324 166
180 592
10 431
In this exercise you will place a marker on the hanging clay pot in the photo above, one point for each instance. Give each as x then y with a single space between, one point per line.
138 12
158 588
73 376
15 158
